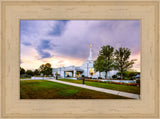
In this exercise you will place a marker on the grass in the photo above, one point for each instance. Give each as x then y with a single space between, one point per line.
124 88
24 78
40 89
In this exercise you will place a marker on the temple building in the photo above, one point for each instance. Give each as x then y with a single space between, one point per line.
86 69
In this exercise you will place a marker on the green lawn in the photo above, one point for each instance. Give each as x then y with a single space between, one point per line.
24 78
40 89
124 88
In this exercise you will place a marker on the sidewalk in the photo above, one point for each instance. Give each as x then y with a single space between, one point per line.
124 94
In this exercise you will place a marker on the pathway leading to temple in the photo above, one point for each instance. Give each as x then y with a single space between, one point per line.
120 93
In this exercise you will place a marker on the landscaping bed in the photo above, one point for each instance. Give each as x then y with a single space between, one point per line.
112 82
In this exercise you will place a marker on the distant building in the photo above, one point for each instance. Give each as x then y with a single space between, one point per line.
86 69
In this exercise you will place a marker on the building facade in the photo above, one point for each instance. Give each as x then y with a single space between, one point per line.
86 69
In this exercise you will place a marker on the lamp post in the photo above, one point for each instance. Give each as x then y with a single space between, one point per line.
82 79
56 75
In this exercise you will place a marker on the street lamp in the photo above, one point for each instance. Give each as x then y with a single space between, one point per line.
82 79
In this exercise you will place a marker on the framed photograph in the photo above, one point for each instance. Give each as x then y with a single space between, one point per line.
79 59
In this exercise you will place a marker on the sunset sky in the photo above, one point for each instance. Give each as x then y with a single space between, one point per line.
67 42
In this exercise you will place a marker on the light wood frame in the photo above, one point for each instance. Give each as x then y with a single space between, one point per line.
12 11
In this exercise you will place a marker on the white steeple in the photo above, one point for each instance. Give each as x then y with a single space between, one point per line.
90 53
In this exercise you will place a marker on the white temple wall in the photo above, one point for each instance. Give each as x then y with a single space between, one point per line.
61 72
86 67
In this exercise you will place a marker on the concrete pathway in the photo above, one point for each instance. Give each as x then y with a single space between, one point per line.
114 92
120 93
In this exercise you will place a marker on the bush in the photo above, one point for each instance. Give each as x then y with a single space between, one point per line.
138 81
121 83
126 78
99 77
86 77
27 76
79 78
128 75
114 76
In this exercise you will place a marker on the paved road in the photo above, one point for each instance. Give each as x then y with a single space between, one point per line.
120 93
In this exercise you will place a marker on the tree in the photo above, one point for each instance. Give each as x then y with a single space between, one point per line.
30 72
36 72
114 76
105 60
98 65
122 62
22 71
45 69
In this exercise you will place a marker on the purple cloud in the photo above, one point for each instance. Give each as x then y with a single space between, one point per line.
59 28
26 44
63 38
43 46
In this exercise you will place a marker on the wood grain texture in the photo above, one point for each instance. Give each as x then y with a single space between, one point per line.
13 11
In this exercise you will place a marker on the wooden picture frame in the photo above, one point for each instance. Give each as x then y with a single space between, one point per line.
12 11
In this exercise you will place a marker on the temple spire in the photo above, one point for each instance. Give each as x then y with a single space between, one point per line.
90 53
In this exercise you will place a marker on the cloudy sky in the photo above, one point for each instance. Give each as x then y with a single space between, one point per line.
67 42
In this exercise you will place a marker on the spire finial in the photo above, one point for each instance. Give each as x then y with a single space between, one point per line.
90 45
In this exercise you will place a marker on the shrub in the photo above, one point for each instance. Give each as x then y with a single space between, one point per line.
27 76
99 77
126 78
128 75
114 76
138 81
